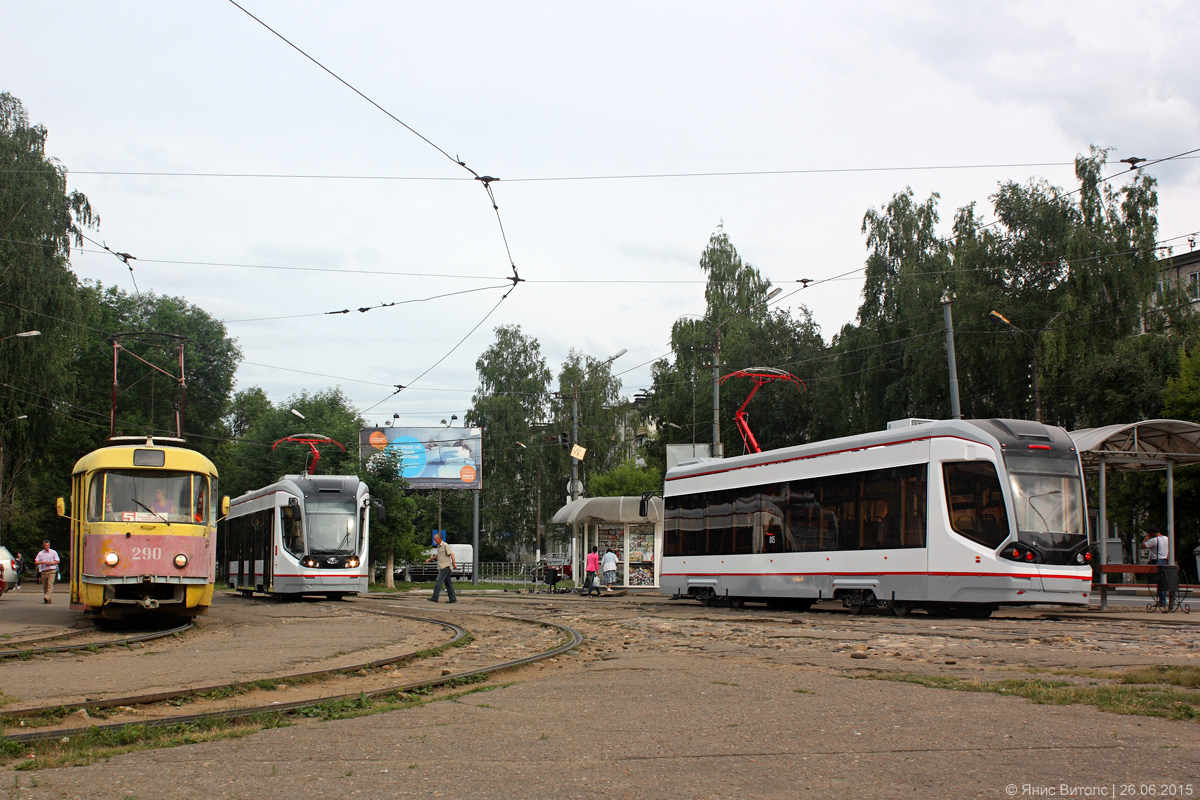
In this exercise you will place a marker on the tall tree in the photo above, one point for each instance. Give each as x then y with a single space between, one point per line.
752 335
40 219
510 404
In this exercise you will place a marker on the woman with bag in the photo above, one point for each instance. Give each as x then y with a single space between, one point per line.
592 566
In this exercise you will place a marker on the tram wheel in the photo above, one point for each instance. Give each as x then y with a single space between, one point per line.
246 592
736 602
978 611
902 608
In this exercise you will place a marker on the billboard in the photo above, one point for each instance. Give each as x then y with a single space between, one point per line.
431 458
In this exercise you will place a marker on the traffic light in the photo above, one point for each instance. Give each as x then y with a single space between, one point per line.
564 440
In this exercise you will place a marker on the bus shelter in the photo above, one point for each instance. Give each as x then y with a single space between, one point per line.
616 523
1156 444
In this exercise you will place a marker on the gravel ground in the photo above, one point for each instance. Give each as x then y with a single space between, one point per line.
668 700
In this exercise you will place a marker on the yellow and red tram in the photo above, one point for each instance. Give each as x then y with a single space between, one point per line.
143 530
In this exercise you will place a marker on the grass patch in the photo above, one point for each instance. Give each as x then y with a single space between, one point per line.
1143 700
460 587
96 744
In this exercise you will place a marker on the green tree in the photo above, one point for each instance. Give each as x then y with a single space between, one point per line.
627 480
752 335
393 530
40 220
510 406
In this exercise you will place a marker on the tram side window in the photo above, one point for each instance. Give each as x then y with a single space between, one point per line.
292 529
975 502
769 532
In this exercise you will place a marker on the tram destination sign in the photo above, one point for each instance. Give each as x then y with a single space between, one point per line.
430 458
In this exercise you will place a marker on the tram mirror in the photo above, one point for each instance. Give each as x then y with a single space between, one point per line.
225 506
294 502
380 509
61 507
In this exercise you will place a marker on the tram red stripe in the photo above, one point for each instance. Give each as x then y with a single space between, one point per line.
315 575
1088 578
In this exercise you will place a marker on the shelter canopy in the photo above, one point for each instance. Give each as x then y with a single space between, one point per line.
608 509
1146 445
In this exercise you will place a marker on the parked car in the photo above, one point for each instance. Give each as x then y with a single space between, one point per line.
8 570
552 561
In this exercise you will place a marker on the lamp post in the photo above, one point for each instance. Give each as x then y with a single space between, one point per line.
1033 343
21 335
718 449
2 429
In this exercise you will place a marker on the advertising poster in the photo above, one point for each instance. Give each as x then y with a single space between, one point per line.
431 458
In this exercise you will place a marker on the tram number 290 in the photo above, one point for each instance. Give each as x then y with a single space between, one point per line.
147 553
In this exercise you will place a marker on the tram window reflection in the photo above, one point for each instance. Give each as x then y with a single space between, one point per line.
975 502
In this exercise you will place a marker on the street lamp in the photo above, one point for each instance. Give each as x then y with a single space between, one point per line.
2 429
21 335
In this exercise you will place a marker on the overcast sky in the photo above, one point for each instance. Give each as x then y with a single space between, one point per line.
526 90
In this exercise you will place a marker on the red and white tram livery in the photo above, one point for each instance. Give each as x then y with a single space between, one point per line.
967 514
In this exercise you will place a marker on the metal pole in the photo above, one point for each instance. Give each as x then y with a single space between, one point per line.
1103 530
1170 511
955 413
574 441
475 539
718 449
2 488
538 522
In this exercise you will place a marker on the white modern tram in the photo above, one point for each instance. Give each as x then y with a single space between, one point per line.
954 514
305 534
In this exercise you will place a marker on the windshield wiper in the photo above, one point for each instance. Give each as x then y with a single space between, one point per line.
151 510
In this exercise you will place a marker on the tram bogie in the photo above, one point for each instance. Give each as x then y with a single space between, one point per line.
949 516
143 531
303 535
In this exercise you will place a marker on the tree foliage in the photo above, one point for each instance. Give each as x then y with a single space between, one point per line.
509 405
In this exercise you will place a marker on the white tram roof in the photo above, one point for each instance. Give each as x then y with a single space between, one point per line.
990 432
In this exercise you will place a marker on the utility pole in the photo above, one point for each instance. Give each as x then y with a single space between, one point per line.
574 443
947 299
718 449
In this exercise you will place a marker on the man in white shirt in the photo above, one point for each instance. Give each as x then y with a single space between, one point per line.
608 565
446 565
1156 545
47 564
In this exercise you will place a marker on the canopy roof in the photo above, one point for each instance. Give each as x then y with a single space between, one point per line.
1145 445
608 509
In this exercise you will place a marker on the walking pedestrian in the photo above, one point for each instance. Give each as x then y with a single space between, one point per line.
1156 544
47 564
609 565
445 564
592 566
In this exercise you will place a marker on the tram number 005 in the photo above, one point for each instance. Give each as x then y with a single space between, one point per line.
147 553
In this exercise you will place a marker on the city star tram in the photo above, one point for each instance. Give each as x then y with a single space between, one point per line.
964 515
305 534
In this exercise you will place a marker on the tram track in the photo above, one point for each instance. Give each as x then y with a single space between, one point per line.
573 639
89 646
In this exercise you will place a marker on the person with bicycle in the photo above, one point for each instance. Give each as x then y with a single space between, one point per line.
1156 546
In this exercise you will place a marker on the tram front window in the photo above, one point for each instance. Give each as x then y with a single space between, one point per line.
1048 500
147 496
332 525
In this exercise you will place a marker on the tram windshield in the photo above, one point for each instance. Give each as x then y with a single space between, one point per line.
332 525
1048 500
143 495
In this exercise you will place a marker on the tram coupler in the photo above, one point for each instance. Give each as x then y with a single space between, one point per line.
148 603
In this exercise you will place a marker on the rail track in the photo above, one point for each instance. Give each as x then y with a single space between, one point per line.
460 635
12 651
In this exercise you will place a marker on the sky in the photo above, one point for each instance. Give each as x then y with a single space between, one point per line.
844 106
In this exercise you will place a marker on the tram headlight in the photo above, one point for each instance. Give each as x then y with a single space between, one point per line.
352 562
181 560
111 558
